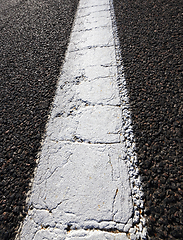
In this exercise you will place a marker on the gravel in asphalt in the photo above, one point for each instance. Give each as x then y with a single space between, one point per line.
150 35
33 40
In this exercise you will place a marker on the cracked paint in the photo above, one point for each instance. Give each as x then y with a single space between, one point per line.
86 184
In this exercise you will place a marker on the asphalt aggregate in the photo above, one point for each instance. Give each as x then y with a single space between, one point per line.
150 33
33 40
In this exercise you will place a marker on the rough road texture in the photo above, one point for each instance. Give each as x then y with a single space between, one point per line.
150 36
34 37
150 39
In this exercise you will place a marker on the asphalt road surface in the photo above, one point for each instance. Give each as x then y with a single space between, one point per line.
33 40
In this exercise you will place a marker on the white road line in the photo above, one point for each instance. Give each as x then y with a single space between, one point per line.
87 185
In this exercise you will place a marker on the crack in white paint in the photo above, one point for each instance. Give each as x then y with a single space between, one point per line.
87 184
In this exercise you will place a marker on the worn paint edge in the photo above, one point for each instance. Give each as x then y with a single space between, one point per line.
138 229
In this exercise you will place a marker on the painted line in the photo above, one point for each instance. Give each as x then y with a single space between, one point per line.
87 184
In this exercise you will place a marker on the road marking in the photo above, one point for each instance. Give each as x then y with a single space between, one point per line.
87 185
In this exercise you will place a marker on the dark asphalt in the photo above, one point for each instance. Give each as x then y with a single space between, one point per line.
34 37
150 34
